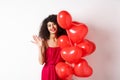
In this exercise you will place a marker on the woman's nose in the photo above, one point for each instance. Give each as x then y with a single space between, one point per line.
52 26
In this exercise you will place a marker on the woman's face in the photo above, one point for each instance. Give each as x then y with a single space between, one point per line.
52 27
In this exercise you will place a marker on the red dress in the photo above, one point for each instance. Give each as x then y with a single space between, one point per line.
52 58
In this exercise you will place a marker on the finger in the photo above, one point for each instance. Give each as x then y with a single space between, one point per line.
33 42
34 37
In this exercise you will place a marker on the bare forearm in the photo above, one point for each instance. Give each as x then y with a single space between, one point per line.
41 55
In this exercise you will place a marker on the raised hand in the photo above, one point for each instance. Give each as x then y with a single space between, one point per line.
38 41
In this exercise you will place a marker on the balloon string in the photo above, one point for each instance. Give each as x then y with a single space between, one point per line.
71 43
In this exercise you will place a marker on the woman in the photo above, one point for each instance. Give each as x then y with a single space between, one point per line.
49 51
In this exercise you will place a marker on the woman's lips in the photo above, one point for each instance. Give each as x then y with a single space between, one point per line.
52 30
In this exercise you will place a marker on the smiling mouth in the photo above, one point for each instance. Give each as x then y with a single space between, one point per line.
53 30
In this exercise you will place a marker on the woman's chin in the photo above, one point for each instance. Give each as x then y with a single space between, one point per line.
53 32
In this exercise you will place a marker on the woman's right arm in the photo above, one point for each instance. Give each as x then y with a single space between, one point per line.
41 57
41 46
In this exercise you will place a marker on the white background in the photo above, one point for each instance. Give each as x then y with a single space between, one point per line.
20 19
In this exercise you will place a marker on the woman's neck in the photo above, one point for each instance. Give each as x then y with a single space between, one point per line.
53 37
52 42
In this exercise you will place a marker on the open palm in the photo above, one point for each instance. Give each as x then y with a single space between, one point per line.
38 41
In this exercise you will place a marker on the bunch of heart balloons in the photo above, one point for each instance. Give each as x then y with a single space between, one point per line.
74 47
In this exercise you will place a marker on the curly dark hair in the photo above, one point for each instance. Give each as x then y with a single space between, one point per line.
44 33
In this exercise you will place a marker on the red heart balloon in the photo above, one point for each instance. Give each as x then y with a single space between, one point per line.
87 46
63 41
77 32
63 70
71 54
82 69
64 19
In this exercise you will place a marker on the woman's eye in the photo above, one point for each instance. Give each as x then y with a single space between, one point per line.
49 25
54 24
